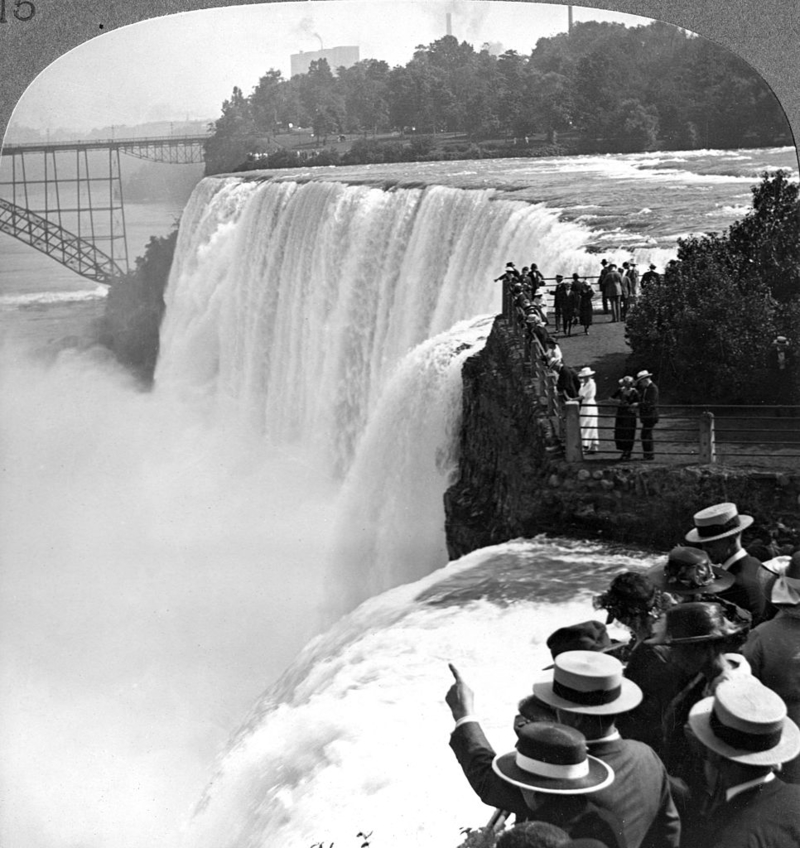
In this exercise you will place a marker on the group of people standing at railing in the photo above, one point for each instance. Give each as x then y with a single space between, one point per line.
686 736
635 398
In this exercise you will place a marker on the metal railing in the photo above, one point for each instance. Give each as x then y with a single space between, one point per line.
685 434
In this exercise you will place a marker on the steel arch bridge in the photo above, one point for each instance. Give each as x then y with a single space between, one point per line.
72 208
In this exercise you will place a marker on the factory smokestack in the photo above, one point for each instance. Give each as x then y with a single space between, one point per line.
449 24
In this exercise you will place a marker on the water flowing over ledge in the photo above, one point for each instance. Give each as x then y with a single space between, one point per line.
289 305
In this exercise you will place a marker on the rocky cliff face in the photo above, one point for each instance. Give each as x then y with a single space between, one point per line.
513 482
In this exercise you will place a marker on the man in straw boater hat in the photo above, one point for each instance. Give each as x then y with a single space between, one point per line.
521 782
773 650
588 691
648 412
553 771
718 531
745 734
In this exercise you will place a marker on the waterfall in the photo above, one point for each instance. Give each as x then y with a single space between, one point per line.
291 304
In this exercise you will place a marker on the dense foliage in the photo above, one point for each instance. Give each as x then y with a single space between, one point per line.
708 325
135 307
603 87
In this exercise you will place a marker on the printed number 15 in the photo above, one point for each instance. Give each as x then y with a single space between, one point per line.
24 10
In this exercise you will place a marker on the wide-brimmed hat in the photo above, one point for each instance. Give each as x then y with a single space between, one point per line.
585 372
746 722
642 374
588 682
652 267
552 758
630 595
695 622
584 636
717 522
559 276
786 589
688 571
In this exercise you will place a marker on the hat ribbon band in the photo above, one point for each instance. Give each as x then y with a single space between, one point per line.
593 698
559 772
705 530
741 739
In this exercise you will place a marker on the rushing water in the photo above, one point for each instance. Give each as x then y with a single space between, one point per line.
166 555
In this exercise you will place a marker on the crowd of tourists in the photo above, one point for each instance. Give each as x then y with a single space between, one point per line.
572 304
684 736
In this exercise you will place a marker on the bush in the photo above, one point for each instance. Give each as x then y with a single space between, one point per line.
708 326
135 306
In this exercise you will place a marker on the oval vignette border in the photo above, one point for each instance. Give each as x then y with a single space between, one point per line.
766 33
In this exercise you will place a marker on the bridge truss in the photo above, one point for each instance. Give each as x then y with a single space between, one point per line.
65 199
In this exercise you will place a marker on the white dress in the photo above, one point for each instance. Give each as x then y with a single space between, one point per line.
587 393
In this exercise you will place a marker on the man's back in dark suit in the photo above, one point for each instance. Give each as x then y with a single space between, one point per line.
767 816
639 796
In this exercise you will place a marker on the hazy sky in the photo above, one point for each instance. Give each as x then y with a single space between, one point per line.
185 65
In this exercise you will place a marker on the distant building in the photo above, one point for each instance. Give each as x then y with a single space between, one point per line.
337 57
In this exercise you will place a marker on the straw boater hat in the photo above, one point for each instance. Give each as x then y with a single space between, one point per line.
588 682
553 758
746 722
786 589
717 522
697 622
688 571
585 372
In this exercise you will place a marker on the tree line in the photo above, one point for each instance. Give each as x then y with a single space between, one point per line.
602 87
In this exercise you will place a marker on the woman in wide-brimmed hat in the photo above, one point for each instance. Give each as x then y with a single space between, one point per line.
773 649
587 395
688 574
703 641
625 422
637 604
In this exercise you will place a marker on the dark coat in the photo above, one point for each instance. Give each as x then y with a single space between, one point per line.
648 402
568 383
654 670
747 592
767 816
773 651
585 306
639 796
625 421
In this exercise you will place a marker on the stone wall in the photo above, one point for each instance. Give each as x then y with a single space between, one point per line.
513 481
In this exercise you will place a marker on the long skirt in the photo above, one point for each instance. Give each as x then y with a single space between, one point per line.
625 429
589 434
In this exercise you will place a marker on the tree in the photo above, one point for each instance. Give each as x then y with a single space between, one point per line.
708 325
266 102
233 136
365 89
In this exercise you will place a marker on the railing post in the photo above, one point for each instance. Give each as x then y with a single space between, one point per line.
708 448
573 444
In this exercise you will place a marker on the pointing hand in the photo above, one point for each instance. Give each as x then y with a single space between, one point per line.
459 697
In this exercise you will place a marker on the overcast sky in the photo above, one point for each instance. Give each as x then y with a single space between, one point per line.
185 65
